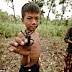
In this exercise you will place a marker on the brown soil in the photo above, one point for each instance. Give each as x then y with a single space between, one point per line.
52 59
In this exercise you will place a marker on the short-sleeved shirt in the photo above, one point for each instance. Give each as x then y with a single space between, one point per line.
69 36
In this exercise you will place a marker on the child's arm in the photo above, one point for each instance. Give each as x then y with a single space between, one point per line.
69 41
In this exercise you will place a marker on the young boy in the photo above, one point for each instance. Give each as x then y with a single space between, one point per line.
27 44
68 55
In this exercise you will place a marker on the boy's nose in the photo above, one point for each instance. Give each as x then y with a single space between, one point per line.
34 22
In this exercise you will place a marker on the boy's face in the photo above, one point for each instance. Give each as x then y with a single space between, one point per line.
31 20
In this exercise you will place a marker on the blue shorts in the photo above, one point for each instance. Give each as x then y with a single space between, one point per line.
34 68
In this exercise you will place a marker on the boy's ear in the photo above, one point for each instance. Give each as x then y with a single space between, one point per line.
22 20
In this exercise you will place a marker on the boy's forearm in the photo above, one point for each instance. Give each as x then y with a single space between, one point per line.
69 41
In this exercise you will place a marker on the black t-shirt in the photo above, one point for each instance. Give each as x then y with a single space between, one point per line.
69 36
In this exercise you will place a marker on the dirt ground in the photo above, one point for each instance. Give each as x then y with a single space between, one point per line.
52 59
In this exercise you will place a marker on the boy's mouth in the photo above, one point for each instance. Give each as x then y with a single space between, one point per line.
34 26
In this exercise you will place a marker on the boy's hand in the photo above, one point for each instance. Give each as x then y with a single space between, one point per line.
19 41
19 45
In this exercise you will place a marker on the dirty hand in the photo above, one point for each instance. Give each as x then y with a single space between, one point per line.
19 46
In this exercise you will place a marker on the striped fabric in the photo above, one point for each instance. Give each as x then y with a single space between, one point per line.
68 63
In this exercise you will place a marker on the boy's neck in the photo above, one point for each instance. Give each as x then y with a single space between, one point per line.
28 30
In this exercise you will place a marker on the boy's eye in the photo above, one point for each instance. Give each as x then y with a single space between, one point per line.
37 18
28 18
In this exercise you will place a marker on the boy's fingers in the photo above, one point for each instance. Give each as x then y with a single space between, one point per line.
25 40
19 41
31 41
14 44
13 50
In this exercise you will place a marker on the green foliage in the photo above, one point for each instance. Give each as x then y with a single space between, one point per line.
40 4
64 22
42 12
45 29
43 70
52 68
51 30
10 30
62 1
3 16
42 19
54 5
52 1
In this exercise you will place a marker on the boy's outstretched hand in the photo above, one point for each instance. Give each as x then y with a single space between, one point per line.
19 46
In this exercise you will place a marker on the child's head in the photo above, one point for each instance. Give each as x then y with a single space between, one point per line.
30 7
31 16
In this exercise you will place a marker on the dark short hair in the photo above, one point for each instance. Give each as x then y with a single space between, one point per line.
30 7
